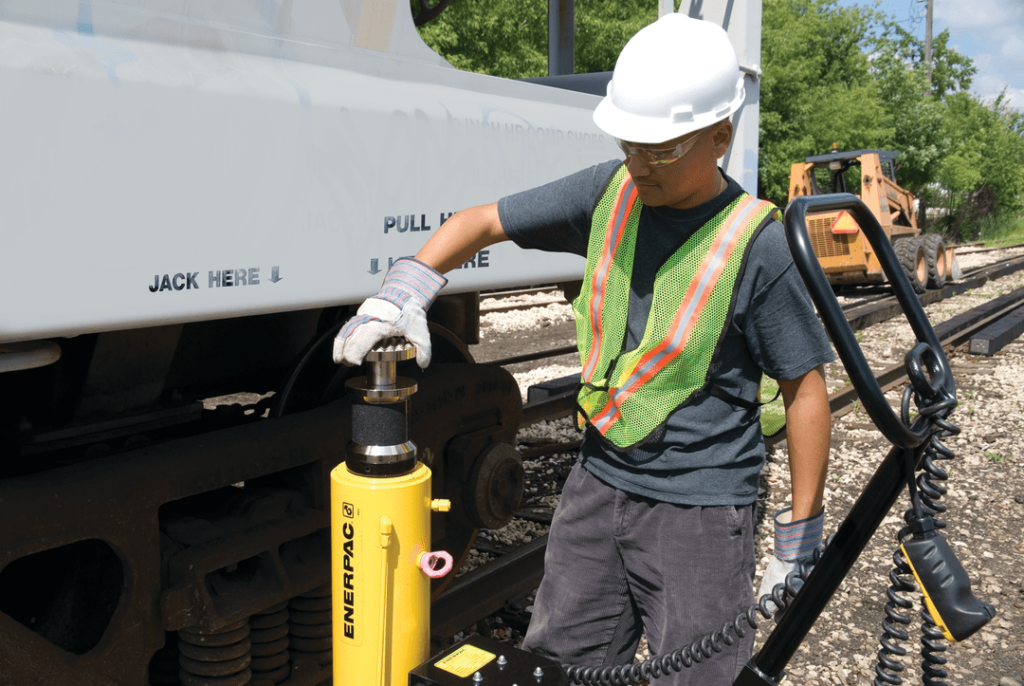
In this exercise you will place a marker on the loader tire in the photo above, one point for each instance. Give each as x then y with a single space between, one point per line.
935 258
910 252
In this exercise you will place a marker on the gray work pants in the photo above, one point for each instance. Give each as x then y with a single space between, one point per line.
618 566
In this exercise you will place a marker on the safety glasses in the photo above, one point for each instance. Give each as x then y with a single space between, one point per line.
659 157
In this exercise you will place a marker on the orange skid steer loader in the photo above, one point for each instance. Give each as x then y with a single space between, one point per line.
845 255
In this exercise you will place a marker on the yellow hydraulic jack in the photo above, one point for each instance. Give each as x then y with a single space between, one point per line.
380 533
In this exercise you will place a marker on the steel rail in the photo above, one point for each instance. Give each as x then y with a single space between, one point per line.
539 355
519 291
860 315
497 296
485 590
951 333
875 312
981 247
491 309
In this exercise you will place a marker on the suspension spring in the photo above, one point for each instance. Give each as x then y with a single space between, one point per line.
310 629
269 639
215 658
163 668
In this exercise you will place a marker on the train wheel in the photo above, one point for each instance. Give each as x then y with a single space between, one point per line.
464 421
458 532
910 252
935 257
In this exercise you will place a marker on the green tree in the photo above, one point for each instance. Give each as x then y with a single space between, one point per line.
915 110
505 38
916 120
951 71
817 88
603 28
509 38
984 168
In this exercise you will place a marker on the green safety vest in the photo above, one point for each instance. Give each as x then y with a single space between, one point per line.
626 395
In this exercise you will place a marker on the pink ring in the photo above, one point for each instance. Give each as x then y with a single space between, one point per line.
427 561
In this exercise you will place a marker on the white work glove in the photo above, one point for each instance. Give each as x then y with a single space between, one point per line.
399 309
794 542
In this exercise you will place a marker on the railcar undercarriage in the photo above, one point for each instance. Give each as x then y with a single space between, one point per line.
143 529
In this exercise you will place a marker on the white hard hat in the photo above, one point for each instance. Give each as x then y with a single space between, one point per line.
674 76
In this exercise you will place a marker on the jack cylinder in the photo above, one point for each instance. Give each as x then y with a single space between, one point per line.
380 535
380 528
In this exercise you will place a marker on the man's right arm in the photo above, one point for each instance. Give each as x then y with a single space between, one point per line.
409 288
461 236
554 217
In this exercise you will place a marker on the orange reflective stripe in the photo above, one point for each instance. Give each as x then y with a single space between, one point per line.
624 201
696 297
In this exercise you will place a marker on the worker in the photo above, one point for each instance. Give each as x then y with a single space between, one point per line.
689 294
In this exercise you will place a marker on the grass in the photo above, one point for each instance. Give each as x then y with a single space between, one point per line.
993 456
1002 228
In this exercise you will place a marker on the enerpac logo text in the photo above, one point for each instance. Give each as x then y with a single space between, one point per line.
348 565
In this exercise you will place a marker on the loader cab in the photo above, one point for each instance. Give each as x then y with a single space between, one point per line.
844 254
828 172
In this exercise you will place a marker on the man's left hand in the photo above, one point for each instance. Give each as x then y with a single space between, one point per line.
794 542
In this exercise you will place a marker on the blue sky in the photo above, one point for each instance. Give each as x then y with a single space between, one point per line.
991 32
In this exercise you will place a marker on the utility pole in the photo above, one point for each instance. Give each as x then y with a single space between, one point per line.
928 40
561 37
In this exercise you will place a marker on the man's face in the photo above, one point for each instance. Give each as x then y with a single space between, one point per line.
686 182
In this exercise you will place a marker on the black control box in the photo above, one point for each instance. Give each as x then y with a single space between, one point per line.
479 661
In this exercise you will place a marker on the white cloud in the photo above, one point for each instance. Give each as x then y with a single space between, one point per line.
993 77
988 88
979 15
1015 98
1012 53
989 32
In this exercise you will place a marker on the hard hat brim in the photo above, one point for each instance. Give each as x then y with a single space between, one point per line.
629 126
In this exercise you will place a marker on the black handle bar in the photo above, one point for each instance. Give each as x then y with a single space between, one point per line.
870 393
929 372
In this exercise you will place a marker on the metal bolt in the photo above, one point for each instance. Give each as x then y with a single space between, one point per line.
478 677
538 672
502 660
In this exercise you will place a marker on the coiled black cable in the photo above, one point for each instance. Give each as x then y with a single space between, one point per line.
705 647
929 483
930 489
887 669
933 644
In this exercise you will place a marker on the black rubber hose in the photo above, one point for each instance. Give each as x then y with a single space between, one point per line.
706 646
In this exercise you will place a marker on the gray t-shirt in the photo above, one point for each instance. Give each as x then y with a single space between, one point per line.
711 450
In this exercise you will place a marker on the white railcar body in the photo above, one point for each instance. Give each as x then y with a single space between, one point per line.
168 162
